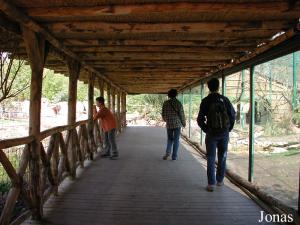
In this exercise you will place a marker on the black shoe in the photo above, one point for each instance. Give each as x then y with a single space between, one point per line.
165 156
113 157
105 155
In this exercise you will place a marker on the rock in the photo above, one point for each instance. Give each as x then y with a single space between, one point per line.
234 134
278 150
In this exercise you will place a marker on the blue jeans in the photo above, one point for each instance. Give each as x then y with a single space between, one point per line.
213 143
173 140
110 143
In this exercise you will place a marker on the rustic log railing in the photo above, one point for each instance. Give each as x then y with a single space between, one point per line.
58 160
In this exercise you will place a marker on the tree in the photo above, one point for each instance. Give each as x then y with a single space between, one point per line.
11 68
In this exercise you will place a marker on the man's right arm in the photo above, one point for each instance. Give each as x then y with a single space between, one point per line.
232 114
182 116
99 115
201 117
164 113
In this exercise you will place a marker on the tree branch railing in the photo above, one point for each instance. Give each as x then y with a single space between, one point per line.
59 159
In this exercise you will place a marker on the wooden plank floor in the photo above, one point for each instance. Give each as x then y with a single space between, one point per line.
142 189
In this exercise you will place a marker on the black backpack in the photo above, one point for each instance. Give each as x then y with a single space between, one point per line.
217 117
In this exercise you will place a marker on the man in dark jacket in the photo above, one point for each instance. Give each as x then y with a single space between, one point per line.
217 137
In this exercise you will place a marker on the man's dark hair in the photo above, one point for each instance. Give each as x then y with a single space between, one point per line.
213 84
100 100
172 93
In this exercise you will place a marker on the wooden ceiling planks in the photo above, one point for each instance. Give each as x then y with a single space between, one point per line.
151 45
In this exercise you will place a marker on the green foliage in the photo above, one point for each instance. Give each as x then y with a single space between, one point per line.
82 92
149 105
5 183
274 128
22 82
55 86
296 118
4 187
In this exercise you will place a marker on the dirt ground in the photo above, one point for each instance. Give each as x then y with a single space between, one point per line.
277 174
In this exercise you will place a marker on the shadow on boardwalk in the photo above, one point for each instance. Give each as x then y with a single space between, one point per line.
142 189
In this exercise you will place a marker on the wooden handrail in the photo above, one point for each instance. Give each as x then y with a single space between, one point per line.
8 143
49 132
56 162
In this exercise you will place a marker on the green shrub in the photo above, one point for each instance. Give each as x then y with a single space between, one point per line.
4 187
274 128
296 118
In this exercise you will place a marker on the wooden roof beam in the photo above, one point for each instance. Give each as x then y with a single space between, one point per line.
238 11
12 12
135 28
137 42
169 48
157 56
161 62
265 34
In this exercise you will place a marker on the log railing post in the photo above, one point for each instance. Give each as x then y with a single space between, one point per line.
118 111
101 87
124 109
90 114
37 50
74 71
113 100
108 96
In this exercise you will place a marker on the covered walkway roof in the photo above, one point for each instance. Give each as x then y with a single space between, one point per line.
144 46
141 188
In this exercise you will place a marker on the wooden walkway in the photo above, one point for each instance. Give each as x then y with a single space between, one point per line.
142 189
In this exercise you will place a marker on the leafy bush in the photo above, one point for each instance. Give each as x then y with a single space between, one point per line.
4 187
296 118
274 128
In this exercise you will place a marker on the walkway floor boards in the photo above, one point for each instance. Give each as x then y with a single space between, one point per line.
142 189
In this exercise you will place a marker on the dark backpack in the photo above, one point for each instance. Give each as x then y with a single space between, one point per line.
217 117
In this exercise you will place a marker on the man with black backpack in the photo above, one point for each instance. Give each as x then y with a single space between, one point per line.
216 118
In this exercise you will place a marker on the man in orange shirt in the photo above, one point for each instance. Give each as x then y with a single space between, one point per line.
109 125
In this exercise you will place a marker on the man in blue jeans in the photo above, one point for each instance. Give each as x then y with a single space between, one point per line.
216 118
173 115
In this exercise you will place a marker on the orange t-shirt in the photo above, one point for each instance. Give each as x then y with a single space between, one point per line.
108 120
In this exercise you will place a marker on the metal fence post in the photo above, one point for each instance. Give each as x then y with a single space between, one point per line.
252 125
190 111
294 100
223 85
201 97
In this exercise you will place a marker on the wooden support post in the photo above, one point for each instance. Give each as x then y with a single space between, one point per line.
74 71
91 139
108 96
118 111
124 109
37 50
113 100
101 87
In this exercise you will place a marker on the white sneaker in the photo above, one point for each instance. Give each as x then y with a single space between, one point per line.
210 188
220 183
